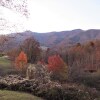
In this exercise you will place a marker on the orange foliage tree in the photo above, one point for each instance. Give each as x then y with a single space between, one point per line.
57 66
55 63
21 61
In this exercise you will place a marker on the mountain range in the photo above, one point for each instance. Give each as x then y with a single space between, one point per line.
52 39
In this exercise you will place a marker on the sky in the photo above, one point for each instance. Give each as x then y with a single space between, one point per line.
11 21
58 15
55 15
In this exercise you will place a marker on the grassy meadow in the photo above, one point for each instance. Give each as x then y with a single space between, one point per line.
12 95
6 67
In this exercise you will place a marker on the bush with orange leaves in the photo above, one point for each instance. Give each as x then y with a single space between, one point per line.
21 61
58 68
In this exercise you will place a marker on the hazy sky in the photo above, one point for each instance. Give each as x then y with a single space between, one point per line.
53 15
57 15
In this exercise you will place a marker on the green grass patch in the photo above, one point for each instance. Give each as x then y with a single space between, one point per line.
12 95
6 67
5 62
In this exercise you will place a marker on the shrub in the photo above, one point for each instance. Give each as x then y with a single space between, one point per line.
47 89
37 71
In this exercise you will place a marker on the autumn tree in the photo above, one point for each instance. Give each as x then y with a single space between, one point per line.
45 54
75 55
21 61
32 48
90 60
57 66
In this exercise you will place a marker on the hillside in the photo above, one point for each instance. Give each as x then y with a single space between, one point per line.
51 39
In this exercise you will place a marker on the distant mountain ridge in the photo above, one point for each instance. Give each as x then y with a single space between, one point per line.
63 37
54 39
